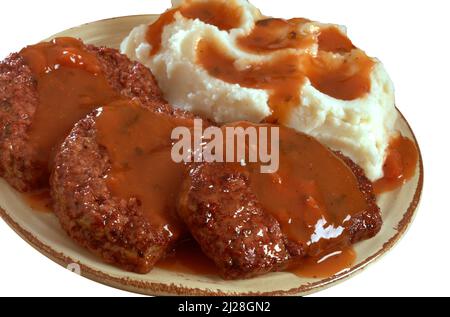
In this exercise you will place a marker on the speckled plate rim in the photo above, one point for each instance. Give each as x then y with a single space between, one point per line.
146 288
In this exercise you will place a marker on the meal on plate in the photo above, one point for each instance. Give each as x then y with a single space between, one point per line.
95 128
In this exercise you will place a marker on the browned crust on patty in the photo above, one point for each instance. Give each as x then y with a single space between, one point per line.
116 229
232 228
131 79
112 228
368 223
228 222
19 100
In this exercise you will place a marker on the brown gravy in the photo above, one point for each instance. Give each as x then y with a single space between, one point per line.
283 76
270 35
219 13
313 194
332 40
70 85
187 257
400 165
40 201
323 266
139 145
155 30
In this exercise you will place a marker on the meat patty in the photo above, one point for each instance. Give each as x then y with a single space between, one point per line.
368 222
111 227
131 229
19 99
226 218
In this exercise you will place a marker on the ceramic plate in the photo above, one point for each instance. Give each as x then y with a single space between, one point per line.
44 233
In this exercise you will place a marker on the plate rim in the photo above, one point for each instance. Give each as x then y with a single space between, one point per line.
153 288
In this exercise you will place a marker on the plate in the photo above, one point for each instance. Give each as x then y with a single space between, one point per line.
43 231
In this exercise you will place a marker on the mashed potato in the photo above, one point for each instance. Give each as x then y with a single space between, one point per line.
361 128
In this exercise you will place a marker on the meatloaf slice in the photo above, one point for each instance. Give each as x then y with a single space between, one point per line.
19 99
233 228
108 226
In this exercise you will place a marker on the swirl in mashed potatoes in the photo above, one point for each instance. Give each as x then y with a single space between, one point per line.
226 61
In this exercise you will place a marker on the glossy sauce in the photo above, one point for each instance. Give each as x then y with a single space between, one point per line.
70 85
323 266
139 145
332 40
313 195
284 75
400 165
155 30
40 201
219 13
187 257
269 35
344 80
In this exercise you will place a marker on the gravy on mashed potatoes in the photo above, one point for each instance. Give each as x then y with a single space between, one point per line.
226 61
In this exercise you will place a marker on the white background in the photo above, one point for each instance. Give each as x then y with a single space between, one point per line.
410 37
